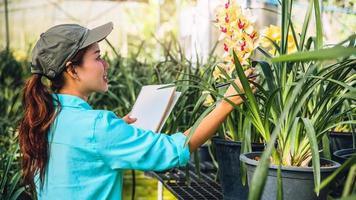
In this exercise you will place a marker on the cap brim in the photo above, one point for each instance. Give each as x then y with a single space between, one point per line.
97 34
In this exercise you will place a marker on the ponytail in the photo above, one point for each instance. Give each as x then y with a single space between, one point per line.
39 114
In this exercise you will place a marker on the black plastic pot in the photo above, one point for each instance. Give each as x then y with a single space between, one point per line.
228 158
203 154
298 182
340 141
342 155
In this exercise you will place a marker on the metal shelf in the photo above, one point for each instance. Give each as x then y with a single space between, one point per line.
205 188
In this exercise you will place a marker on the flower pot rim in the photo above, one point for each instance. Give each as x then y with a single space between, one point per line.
341 152
340 134
245 159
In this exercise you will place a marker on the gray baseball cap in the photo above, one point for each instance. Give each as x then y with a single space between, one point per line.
60 43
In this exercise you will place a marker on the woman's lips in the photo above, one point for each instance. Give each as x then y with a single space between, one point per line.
105 77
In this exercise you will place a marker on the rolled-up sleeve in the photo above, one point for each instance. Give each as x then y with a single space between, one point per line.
123 146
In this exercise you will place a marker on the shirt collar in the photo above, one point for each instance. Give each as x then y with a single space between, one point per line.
67 100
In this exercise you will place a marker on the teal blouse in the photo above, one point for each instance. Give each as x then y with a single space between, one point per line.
89 149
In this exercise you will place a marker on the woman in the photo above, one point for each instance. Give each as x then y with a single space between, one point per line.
71 151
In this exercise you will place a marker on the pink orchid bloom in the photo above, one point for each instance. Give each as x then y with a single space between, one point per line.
227 18
227 4
253 35
240 24
226 48
243 46
223 29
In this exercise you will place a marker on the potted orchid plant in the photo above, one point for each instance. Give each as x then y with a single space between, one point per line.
298 102
237 134
301 101
238 34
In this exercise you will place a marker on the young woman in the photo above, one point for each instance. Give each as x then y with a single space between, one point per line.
72 151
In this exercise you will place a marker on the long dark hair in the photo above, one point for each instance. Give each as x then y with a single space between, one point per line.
39 114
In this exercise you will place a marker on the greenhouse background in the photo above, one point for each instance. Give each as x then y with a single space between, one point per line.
151 20
153 42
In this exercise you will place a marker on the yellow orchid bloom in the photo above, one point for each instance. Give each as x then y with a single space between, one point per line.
217 74
208 100
274 33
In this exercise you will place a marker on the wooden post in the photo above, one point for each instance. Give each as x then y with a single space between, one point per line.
159 190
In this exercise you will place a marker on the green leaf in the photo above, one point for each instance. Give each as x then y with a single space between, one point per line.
315 152
322 54
252 102
305 25
275 46
294 35
293 136
246 147
286 8
279 184
350 181
326 147
349 95
198 105
269 106
197 164
268 74
340 83
319 25
265 53
18 192
259 177
15 182
351 197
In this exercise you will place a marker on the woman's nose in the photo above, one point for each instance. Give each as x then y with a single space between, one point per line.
106 65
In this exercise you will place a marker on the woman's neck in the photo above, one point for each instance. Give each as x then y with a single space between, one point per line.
74 93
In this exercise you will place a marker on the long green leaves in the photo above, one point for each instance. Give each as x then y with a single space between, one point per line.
319 25
350 182
260 175
253 106
314 150
10 182
286 12
322 54
306 25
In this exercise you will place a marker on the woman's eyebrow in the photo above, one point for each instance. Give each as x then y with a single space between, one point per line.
97 51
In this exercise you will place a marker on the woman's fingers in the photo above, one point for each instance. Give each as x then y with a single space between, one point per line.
249 71
129 119
254 90
232 94
253 87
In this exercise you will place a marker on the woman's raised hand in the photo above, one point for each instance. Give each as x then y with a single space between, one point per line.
231 93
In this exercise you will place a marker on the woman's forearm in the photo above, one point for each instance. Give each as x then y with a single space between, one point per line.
209 125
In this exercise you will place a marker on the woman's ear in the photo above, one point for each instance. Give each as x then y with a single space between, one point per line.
70 69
